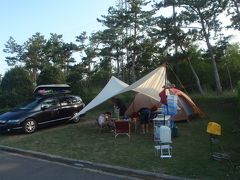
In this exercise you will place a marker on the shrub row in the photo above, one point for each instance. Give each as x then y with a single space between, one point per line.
238 90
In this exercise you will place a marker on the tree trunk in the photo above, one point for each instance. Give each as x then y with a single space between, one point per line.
196 77
134 50
230 78
133 74
237 8
214 64
175 25
34 76
118 60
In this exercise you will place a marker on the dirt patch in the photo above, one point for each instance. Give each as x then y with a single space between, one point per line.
85 121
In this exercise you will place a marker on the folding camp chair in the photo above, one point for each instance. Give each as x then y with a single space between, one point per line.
122 127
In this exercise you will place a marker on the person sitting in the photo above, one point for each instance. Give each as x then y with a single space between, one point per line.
109 120
134 119
105 120
101 120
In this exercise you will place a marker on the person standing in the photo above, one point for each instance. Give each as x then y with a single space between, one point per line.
144 116
119 105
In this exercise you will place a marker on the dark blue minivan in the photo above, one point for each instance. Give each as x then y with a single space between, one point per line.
52 103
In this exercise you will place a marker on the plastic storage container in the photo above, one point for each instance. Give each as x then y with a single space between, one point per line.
165 134
171 107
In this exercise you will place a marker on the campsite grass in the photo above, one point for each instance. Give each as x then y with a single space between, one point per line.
190 150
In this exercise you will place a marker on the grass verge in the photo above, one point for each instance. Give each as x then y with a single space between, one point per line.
190 150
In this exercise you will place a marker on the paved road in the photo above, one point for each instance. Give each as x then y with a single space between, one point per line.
16 167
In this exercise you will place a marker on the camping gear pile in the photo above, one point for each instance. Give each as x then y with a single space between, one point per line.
174 102
147 88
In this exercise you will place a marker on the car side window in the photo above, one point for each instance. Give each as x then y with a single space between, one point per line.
76 100
66 101
49 103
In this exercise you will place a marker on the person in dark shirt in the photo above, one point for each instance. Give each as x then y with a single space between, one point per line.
144 116
118 104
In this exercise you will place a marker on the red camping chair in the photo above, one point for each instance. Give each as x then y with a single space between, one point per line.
122 127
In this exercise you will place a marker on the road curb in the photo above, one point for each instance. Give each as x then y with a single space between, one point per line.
141 174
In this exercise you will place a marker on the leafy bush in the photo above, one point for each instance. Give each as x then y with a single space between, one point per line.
180 74
51 75
16 87
238 89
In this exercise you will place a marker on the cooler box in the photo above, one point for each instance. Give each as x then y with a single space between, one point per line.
214 128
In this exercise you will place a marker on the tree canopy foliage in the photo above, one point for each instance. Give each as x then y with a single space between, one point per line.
16 87
139 36
51 75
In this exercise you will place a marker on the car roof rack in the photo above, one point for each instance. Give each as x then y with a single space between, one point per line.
51 90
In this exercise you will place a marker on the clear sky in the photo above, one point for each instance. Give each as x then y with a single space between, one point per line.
23 18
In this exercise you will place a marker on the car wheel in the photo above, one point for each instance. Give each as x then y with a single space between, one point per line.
29 126
76 119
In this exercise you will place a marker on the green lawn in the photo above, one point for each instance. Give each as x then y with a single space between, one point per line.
190 150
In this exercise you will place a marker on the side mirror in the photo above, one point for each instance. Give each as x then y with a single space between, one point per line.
43 108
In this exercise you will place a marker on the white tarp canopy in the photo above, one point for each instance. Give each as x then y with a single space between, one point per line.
112 88
150 85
